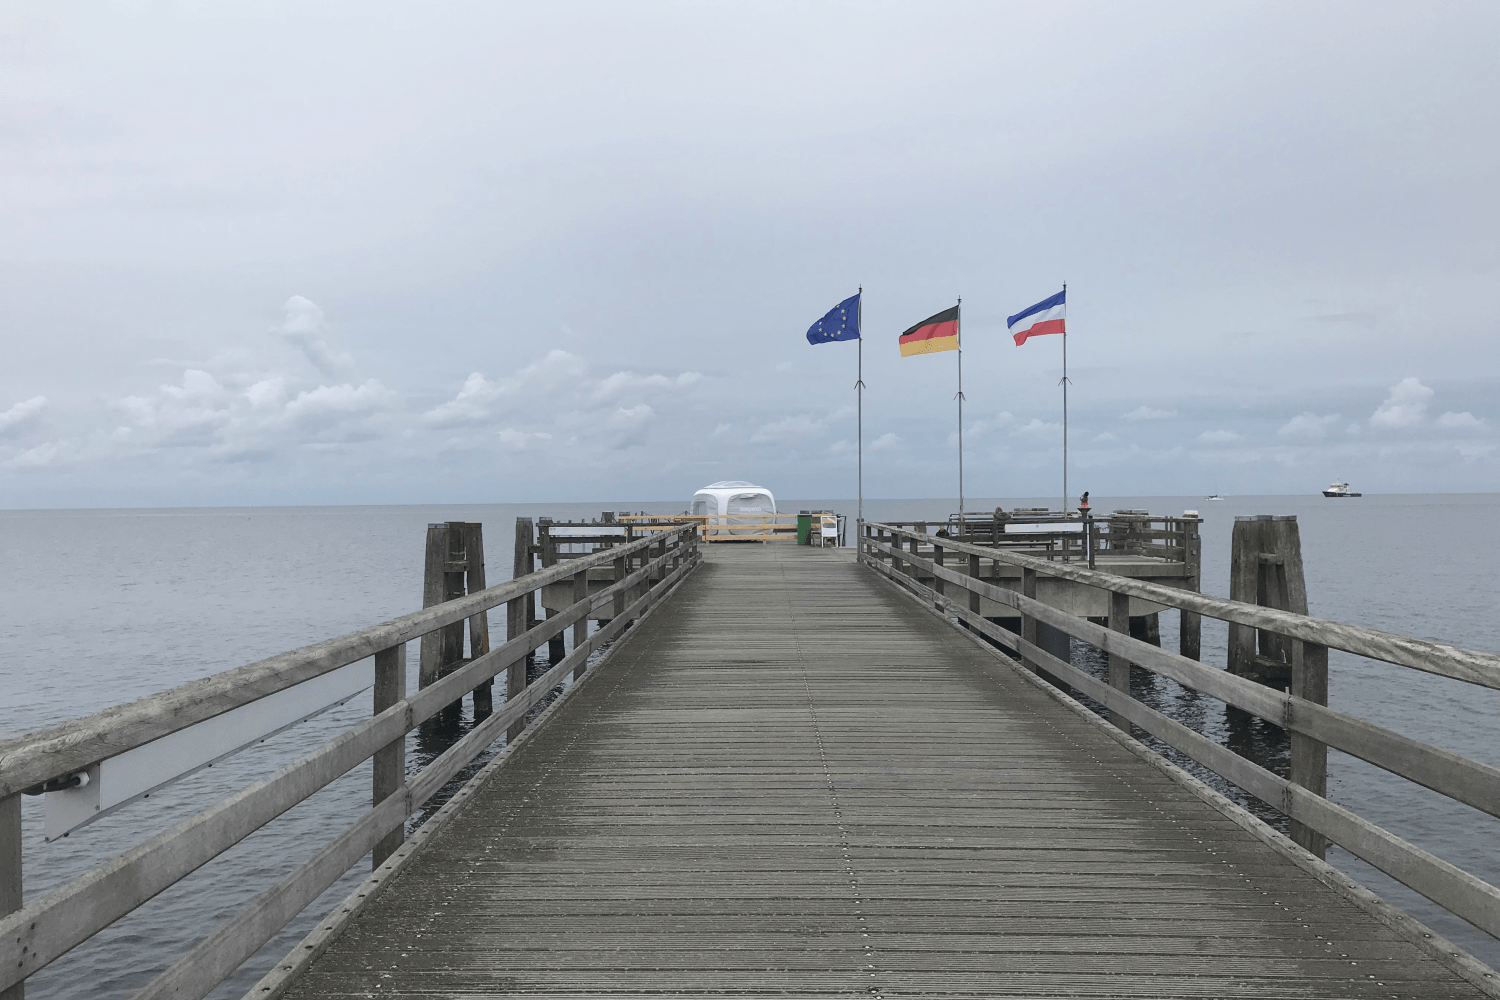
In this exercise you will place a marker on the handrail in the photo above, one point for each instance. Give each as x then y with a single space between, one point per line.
1419 654
29 760
1314 725
49 926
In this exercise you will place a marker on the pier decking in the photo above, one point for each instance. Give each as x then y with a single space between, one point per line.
792 779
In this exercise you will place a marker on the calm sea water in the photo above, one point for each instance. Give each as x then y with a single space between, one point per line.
102 606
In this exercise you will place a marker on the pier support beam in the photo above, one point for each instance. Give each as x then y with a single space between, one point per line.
1265 568
519 615
1190 624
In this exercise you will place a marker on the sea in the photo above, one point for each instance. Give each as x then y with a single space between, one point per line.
104 606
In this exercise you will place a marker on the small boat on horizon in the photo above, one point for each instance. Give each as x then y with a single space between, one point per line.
1340 490
1214 497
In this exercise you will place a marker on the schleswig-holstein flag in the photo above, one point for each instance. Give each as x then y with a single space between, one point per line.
1047 316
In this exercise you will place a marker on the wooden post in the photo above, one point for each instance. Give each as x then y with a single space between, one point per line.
556 646
581 627
1190 627
895 544
479 625
1265 568
390 760
1119 666
430 658
622 570
974 575
518 617
10 872
1028 622
913 572
937 560
1309 756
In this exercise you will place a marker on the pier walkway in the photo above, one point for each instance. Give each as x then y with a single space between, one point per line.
792 779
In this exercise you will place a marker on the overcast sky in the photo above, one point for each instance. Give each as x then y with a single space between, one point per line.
390 253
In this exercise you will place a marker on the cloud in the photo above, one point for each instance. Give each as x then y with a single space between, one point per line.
1104 438
1473 451
302 328
1309 425
1144 412
620 382
1405 406
723 429
327 403
885 442
784 366
787 429
480 398
511 439
631 419
43 456
1218 437
840 447
22 413
1037 428
1465 421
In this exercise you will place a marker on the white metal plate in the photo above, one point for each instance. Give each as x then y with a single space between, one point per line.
134 773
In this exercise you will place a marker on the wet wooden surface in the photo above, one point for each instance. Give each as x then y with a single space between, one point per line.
791 781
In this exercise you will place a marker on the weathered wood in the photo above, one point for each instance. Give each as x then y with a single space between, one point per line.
974 575
1004 844
937 559
51 925
1028 623
1265 570
434 592
10 873
389 766
1119 666
1430 657
581 630
1309 755
479 625
1458 777
1190 623
520 611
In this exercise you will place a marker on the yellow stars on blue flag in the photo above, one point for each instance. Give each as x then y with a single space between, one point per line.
841 323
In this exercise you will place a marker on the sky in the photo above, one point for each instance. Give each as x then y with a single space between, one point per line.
335 253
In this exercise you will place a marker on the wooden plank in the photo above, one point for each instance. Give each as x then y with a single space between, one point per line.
1309 765
1119 666
10 873
479 625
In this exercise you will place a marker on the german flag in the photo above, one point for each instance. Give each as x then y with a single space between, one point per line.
933 334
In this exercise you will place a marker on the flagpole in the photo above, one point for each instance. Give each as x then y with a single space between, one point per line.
1065 408
859 387
959 332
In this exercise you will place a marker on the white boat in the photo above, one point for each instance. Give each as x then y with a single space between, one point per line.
1339 490
1214 497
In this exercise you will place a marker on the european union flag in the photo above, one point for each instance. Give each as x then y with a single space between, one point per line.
841 323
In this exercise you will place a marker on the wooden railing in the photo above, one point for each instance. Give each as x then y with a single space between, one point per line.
955 569
38 933
733 527
1076 538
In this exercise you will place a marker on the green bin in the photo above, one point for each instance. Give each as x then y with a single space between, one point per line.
804 528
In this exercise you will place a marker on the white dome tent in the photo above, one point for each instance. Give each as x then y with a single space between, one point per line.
722 500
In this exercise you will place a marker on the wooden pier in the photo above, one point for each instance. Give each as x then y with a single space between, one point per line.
793 780
799 771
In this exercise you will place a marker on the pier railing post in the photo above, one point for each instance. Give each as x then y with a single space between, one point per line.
622 570
974 575
1119 666
1028 622
1190 628
556 646
912 570
1309 756
442 581
390 760
895 543
937 560
581 627
479 625
518 617
10 872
